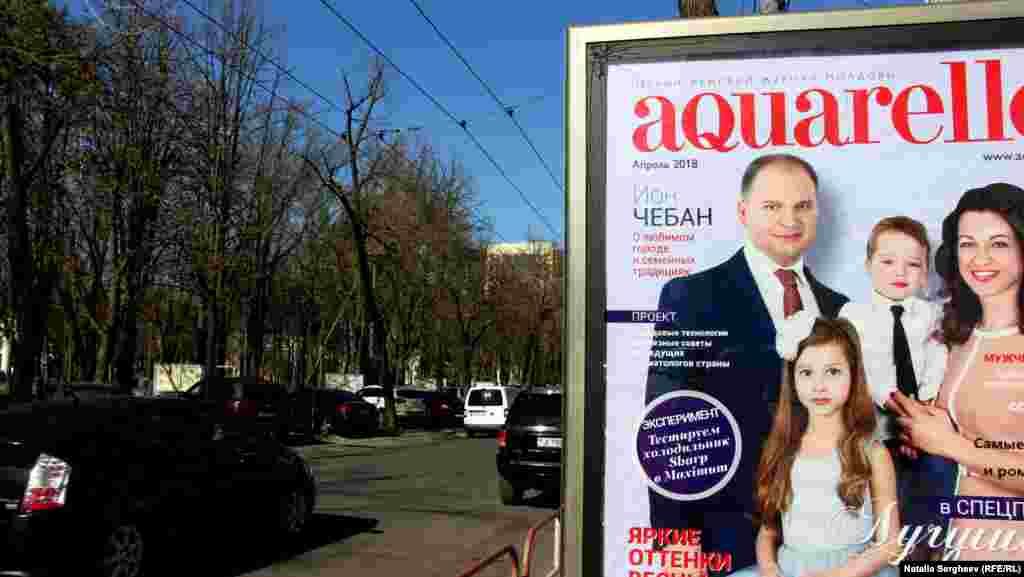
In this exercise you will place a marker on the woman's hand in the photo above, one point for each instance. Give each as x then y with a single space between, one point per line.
926 427
908 451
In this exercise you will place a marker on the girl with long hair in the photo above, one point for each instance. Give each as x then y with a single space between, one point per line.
823 476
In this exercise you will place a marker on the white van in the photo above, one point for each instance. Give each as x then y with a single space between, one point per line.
486 407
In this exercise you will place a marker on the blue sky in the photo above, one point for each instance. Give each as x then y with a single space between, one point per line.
517 48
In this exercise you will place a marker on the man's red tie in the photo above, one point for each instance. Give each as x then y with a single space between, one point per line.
791 302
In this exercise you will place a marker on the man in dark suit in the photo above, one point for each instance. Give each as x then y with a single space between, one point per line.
745 297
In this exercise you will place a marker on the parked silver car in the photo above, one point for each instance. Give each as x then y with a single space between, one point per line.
407 408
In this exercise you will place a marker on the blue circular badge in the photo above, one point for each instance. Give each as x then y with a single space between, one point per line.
688 445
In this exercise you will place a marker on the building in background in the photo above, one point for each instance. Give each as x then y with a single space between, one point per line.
521 253
540 259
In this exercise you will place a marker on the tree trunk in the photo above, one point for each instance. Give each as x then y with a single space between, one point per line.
198 338
375 365
210 373
88 354
255 333
300 382
19 252
124 375
113 332
467 360
697 8
128 336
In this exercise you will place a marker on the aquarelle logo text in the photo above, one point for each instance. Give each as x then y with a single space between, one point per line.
673 126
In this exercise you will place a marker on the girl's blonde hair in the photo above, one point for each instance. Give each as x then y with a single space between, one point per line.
774 491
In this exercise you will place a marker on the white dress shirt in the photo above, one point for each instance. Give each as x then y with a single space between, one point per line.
772 292
874 323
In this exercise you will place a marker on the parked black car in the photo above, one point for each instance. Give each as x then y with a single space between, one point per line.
112 480
84 390
530 446
441 409
344 413
256 407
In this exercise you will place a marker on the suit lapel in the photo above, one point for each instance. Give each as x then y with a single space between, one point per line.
762 329
825 304
744 283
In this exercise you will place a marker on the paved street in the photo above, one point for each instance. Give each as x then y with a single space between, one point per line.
425 503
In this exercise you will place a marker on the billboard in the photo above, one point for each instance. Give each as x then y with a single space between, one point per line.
704 156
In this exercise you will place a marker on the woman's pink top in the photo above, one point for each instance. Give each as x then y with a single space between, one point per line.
981 393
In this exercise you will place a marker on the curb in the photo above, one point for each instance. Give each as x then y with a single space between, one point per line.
401 440
331 443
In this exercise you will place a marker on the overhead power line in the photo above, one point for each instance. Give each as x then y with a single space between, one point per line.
508 110
251 77
330 103
461 123
291 105
273 62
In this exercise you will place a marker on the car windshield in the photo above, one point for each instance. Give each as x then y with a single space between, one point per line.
485 397
538 405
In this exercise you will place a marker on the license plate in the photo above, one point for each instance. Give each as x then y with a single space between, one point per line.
549 442
264 414
478 412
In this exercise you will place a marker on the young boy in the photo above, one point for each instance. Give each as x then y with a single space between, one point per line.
902 353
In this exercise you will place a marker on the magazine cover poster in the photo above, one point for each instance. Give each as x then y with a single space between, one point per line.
696 299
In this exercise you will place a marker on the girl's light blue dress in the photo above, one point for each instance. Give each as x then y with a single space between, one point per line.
818 532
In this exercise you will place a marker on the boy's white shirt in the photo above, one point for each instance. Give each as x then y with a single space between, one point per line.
874 323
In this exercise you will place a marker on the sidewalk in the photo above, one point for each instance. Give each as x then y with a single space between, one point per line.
430 499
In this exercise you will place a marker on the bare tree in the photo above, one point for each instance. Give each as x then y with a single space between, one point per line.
425 217
143 157
279 201
351 169
227 77
45 83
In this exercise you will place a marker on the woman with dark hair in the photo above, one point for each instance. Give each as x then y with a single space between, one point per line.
975 420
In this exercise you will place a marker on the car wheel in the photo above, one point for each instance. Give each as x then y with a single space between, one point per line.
510 494
122 551
293 513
